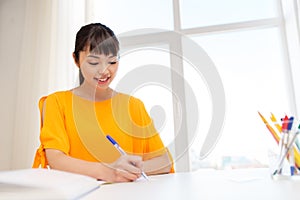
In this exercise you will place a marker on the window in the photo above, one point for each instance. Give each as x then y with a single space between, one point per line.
123 16
251 65
202 13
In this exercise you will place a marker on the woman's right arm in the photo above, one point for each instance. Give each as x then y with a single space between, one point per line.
126 168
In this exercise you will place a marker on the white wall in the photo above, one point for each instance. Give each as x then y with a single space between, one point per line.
12 14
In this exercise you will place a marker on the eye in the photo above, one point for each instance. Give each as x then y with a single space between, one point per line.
112 63
93 63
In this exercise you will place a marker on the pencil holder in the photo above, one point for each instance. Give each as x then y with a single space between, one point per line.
286 162
288 158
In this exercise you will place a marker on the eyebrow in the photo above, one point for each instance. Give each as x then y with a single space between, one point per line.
93 56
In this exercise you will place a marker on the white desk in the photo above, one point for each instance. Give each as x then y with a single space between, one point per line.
252 184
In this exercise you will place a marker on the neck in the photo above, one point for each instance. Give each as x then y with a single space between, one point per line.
94 94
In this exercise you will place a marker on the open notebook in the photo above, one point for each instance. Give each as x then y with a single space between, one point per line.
44 184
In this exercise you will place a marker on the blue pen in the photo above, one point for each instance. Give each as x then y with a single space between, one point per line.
122 152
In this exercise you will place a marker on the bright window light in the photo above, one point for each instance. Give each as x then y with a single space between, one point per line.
214 12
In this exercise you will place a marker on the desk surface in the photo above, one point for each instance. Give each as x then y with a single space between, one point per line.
204 184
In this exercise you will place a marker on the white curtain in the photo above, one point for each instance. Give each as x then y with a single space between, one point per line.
45 66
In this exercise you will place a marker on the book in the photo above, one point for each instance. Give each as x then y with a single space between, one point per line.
38 183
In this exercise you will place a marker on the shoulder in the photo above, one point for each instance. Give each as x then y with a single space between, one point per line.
59 96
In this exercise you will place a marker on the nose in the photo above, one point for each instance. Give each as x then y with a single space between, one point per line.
102 68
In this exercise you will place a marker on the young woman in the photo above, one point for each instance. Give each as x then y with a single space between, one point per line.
75 123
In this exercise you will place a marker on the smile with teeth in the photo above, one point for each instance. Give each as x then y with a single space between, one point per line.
102 80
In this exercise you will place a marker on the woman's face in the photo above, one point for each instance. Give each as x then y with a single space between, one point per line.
98 70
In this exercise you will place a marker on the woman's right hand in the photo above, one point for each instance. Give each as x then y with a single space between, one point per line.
126 168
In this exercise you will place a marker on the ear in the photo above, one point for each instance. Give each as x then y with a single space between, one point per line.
75 60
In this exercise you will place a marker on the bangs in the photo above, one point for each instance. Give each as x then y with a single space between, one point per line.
101 43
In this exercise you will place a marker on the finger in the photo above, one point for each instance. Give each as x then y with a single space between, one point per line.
125 176
129 163
136 161
134 167
131 168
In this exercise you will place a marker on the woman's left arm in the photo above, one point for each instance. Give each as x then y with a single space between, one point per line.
158 165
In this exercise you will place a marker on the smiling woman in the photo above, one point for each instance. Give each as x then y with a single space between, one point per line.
75 122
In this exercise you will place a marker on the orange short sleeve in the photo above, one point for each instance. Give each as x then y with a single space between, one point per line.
53 133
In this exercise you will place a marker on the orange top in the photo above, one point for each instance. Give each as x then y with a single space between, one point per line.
78 127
